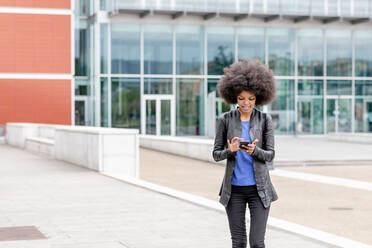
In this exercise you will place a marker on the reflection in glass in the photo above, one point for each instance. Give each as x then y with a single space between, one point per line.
189 45
310 52
363 106
363 53
165 117
220 106
338 52
158 86
104 102
82 87
310 107
125 48
251 43
220 49
151 116
104 47
81 47
125 102
338 115
338 87
281 51
282 109
189 107
331 115
158 49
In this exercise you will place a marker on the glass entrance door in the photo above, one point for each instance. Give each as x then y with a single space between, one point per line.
368 116
339 115
80 112
158 117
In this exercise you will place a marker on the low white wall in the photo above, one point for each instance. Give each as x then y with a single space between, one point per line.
109 150
365 138
197 148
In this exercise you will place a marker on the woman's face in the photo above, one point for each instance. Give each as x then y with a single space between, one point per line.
246 101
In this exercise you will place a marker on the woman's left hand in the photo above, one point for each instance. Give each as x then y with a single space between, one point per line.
251 147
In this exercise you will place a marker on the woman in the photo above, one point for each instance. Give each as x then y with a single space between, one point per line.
247 179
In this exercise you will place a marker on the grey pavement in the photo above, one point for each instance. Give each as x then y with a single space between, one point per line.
312 148
78 208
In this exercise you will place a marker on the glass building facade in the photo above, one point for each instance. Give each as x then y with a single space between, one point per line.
139 68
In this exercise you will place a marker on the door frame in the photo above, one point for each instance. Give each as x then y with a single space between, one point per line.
337 98
158 99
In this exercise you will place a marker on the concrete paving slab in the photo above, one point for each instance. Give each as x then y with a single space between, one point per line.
75 207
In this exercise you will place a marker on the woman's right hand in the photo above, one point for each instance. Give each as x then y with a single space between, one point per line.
233 146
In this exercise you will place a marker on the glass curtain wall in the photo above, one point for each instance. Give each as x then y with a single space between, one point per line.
189 50
281 51
220 49
82 47
310 52
125 48
193 83
125 102
338 52
282 109
310 107
363 53
189 107
158 43
363 106
251 43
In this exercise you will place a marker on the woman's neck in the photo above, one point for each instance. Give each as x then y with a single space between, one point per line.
245 116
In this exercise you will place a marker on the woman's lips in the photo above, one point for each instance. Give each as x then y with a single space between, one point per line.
245 107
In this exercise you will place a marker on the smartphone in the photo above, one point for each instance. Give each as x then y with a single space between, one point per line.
243 143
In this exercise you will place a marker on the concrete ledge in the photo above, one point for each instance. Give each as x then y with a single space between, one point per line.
40 145
363 138
109 150
196 148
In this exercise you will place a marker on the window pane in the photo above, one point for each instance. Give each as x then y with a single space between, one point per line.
281 51
81 47
125 102
125 48
104 48
338 87
310 52
190 52
190 107
310 107
338 52
310 87
82 87
363 106
282 109
158 49
104 102
251 43
220 49
158 86
363 53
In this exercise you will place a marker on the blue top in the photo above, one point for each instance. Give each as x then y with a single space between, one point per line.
243 173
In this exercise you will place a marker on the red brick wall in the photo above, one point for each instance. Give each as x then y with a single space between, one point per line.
35 100
35 43
54 4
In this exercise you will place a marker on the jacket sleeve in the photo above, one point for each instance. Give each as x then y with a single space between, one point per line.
268 153
220 151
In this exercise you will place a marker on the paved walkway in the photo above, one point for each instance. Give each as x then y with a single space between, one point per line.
78 208
323 205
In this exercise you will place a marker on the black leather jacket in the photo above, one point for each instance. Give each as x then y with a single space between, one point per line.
261 128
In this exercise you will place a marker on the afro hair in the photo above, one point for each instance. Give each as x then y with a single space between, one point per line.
250 76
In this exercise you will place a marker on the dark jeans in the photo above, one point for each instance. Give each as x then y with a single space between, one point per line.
236 208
